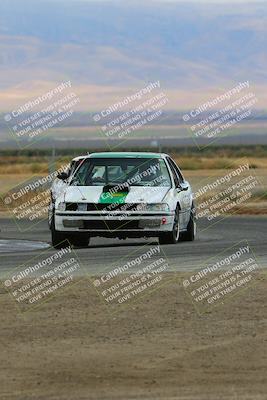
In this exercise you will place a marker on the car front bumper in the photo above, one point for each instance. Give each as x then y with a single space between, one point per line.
119 222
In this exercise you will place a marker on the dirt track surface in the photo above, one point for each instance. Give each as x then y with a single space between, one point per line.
158 348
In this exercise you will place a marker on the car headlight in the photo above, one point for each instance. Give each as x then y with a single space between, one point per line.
61 206
158 207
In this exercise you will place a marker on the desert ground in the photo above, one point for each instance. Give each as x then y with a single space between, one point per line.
160 348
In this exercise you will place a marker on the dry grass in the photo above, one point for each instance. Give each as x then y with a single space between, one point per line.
21 165
22 169
199 163
15 170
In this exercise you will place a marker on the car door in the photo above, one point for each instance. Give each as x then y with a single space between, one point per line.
182 192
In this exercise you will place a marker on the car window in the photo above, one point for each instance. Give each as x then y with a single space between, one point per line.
114 171
177 169
174 173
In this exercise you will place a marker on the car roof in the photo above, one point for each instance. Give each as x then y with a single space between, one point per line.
127 155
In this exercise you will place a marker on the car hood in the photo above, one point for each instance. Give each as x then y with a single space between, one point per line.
95 194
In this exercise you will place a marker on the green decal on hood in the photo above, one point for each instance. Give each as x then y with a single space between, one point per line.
107 197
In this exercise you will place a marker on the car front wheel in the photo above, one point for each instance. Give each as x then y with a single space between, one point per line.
173 236
190 233
59 239
50 215
80 240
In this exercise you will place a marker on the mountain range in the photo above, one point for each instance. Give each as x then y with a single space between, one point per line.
113 48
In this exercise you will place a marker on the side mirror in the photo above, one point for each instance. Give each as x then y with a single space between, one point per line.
63 176
183 186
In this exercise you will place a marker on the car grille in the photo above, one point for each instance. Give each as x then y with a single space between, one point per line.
109 207
110 225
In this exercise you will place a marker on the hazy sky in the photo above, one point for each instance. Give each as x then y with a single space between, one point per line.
178 1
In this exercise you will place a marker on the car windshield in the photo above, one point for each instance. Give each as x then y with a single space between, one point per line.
126 171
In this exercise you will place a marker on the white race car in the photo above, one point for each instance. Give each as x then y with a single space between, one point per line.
124 195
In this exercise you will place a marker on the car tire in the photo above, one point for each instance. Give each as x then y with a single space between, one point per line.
50 215
173 236
190 233
80 240
59 239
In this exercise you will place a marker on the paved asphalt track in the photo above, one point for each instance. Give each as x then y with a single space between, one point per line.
16 247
